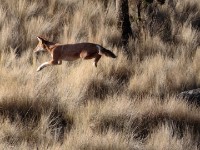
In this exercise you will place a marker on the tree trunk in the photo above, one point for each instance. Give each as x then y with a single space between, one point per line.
139 9
123 22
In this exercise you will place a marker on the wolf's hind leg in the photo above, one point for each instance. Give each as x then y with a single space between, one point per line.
96 60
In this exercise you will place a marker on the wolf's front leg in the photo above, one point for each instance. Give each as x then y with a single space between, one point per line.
53 62
43 66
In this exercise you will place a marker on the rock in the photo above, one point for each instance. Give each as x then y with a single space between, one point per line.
192 96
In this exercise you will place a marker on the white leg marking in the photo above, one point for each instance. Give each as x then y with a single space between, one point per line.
42 66
94 64
60 62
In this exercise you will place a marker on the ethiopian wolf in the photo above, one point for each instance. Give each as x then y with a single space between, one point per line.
70 52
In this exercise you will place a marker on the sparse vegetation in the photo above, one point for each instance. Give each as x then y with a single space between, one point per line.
123 103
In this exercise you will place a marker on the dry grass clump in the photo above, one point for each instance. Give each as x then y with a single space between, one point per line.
160 75
125 103
147 114
164 138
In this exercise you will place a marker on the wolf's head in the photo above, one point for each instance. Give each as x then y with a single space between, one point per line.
42 45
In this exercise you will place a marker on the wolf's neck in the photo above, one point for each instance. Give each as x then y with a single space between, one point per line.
50 47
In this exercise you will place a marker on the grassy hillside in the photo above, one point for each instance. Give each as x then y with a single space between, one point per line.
122 104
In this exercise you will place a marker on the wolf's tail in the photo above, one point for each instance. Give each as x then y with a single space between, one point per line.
106 52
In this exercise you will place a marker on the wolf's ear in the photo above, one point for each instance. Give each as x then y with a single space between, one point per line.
39 39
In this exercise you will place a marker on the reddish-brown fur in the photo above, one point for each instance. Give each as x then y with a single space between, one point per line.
70 52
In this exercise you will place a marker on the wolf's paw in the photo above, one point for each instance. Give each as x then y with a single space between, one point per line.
38 69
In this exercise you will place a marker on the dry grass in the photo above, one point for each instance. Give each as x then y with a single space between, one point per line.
122 104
